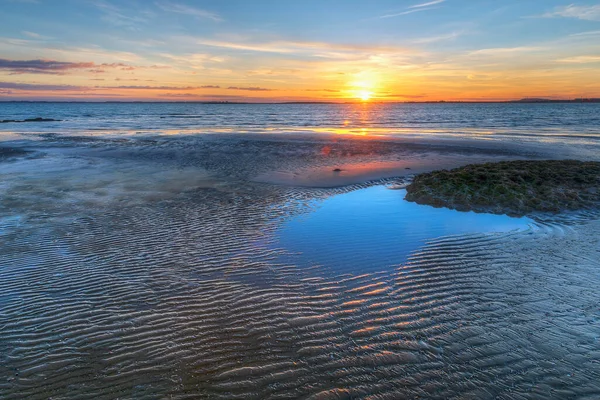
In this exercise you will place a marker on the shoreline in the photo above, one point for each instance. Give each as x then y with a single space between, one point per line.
303 160
225 160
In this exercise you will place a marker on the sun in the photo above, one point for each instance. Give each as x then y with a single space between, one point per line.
365 95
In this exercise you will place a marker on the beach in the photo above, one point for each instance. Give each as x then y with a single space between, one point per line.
153 267
320 200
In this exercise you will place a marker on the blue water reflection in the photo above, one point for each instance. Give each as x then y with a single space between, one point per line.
376 228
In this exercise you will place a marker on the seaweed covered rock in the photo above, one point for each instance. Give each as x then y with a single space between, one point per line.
11 152
38 119
511 187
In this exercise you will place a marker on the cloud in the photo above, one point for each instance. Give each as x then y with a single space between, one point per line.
413 9
34 35
316 49
580 60
46 87
187 10
405 96
428 4
184 95
589 13
50 66
434 39
41 66
403 13
252 89
43 87
115 16
322 90
160 87
45 51
505 50
479 77
588 33
212 98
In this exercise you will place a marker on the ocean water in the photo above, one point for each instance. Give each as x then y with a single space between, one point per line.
575 122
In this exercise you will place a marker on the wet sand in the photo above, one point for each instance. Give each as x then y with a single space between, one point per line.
148 268
350 173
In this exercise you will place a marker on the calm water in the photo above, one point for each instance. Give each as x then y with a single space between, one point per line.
375 228
537 121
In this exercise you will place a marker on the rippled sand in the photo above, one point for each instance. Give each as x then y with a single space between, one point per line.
148 268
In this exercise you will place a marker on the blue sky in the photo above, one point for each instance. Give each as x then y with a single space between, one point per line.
428 49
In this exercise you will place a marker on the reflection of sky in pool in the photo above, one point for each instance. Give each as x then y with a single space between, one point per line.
376 227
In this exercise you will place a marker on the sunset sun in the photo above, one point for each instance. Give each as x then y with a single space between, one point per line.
365 95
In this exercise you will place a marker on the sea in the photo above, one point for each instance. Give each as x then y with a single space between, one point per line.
571 122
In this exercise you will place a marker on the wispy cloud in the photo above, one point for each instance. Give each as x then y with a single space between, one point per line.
34 86
589 13
405 96
181 95
159 87
413 9
187 10
40 66
116 16
588 33
506 51
44 50
52 67
322 90
251 89
580 59
403 13
47 87
428 4
434 39
34 35
317 49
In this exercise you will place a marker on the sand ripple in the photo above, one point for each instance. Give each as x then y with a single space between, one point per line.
187 298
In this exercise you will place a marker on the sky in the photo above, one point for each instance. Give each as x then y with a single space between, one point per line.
276 50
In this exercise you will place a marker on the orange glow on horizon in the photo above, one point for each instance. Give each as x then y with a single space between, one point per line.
376 85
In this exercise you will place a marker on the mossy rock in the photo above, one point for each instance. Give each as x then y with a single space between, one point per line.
511 187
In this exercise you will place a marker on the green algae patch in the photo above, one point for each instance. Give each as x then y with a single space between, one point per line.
511 187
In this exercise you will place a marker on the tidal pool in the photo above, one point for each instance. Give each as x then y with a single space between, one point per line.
376 228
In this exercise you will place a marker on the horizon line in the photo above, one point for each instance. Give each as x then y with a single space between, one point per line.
523 100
